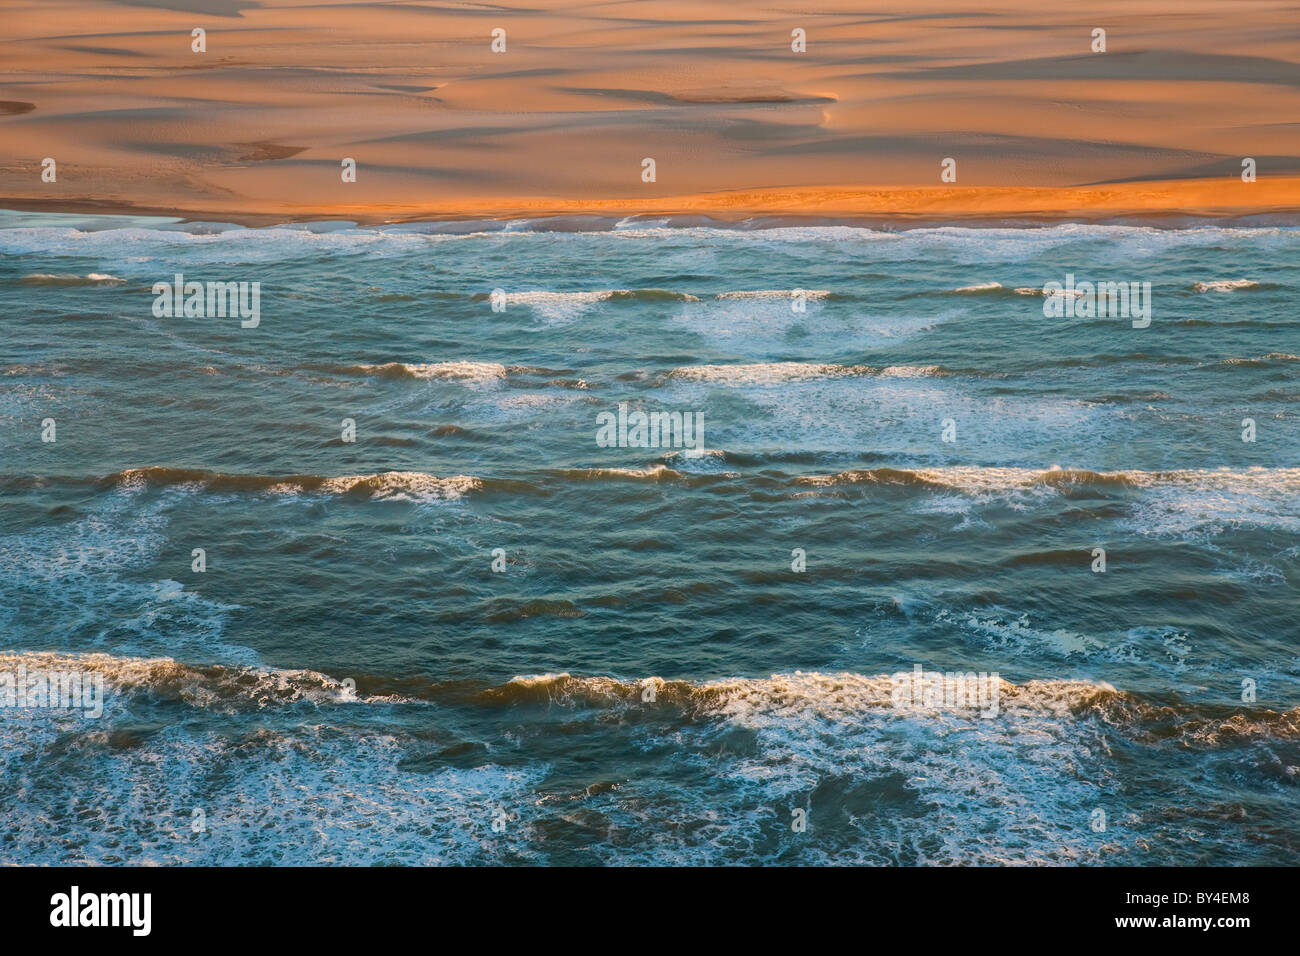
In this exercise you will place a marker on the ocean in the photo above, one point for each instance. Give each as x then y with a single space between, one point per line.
366 583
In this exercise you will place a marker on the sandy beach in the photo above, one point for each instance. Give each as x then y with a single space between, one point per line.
739 124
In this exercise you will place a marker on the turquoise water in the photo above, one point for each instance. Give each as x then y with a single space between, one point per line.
647 679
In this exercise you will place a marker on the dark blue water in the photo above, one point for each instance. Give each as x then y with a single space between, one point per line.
646 676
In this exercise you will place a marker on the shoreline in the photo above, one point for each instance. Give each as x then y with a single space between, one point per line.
1169 203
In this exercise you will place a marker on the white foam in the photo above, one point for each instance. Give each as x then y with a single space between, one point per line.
989 790
1016 635
1210 502
1073 293
1180 502
50 278
306 795
403 486
477 372
1225 285
558 307
89 574
910 371
765 373
776 294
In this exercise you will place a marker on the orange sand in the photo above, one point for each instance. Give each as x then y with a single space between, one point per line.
738 124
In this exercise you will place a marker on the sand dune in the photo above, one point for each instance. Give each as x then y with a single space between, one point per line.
255 128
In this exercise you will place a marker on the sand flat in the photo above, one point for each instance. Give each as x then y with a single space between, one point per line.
737 123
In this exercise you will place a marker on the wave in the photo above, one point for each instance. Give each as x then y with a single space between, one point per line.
542 297
48 370
845 692
386 486
1225 285
1105 359
381 486
997 289
217 687
848 695
1260 491
222 687
1030 290
478 372
972 479
1259 361
465 372
776 294
884 783
1186 501
563 305
842 695
397 485
1227 729
981 478
768 373
93 278
653 473
765 373
915 371
266 774
707 462
218 242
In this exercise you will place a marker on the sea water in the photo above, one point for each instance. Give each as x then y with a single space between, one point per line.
363 586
